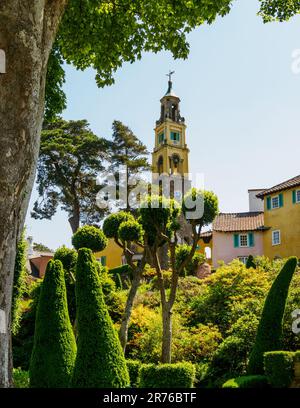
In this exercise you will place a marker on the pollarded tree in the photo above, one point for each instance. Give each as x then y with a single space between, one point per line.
71 156
100 362
160 220
27 37
90 237
127 233
54 349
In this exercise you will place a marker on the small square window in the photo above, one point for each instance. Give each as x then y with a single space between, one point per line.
243 259
276 238
244 240
161 138
275 202
298 196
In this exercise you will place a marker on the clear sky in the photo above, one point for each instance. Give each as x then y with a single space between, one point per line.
239 96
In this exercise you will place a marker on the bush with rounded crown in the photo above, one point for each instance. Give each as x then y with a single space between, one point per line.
112 223
54 349
100 362
90 237
131 231
205 209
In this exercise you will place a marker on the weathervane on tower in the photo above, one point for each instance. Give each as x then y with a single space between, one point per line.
170 81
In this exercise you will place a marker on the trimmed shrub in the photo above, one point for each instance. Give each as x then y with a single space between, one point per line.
123 269
100 362
118 281
54 347
250 262
133 367
89 237
269 330
131 231
179 375
112 223
279 368
18 284
250 381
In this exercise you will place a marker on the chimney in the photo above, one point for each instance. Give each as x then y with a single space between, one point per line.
255 204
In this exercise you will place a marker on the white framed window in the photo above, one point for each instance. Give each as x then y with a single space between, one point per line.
297 196
243 259
244 240
276 237
275 203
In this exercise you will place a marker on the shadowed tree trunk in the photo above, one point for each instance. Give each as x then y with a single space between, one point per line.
27 31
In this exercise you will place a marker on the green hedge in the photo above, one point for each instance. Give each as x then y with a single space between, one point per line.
279 368
248 381
121 270
133 367
179 375
269 332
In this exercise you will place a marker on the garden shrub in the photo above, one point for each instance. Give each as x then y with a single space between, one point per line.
250 262
112 223
133 367
89 237
269 332
179 375
249 381
279 368
100 362
20 378
18 283
54 348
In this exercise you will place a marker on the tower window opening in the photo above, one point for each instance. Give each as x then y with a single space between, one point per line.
175 136
160 164
174 110
161 138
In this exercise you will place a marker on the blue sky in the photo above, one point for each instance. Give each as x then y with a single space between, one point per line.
239 96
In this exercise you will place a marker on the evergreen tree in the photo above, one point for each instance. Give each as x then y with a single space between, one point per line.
54 349
100 361
269 332
127 150
19 283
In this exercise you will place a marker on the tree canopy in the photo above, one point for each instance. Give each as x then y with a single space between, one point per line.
280 10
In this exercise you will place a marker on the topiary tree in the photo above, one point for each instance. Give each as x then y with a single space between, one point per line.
18 284
100 361
126 230
54 349
90 237
250 262
269 332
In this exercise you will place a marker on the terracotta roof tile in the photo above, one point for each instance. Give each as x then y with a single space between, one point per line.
235 222
294 182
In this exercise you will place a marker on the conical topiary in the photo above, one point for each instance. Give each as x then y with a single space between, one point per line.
269 332
100 361
54 349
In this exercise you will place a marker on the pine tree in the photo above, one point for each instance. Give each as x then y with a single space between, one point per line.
269 332
100 361
54 349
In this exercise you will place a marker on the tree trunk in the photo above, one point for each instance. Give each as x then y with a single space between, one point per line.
123 334
167 334
74 222
27 30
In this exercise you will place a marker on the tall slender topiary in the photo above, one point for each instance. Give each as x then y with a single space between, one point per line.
54 349
100 361
19 283
269 332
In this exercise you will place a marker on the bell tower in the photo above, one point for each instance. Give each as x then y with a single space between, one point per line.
170 154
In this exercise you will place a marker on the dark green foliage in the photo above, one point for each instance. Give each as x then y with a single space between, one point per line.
250 262
22 342
250 381
112 223
100 361
281 10
269 332
133 367
89 237
118 280
179 375
68 258
71 157
54 348
20 378
279 368
182 252
18 284
122 270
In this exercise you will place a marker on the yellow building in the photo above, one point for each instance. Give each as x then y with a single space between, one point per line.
111 256
282 219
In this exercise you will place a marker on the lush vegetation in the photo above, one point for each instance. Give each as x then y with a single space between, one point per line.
250 381
180 375
279 368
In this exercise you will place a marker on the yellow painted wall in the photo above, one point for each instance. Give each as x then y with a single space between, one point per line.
202 245
287 220
113 254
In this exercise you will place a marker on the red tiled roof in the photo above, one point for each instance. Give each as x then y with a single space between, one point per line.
294 182
235 222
